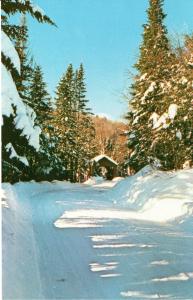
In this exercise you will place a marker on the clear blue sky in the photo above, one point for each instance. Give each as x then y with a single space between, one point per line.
102 34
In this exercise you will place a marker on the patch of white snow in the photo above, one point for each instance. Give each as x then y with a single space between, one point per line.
179 134
154 117
23 159
9 51
172 111
149 90
178 277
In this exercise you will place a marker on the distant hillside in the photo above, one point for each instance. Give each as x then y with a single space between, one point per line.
111 138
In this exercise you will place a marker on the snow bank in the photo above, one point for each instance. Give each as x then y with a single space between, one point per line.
158 196
42 262
163 196
150 195
97 181
117 179
94 180
19 245
3 199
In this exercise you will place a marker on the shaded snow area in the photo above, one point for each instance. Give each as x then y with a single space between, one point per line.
123 239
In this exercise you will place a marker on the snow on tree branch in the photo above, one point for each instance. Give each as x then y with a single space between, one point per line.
172 111
13 154
9 51
25 116
11 7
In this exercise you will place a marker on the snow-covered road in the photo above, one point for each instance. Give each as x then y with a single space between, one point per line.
85 256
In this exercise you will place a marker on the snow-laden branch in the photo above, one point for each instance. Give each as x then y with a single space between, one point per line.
9 51
24 115
11 7
13 154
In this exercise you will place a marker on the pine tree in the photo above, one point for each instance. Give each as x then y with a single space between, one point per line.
65 121
80 91
149 92
39 98
18 118
44 161
187 99
73 124
177 137
21 45
85 126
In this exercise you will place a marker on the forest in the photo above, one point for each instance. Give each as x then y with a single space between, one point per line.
46 139
67 231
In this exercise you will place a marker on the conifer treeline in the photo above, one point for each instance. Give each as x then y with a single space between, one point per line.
65 124
73 124
160 107
44 139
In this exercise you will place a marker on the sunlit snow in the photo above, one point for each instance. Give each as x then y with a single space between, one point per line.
132 239
149 90
172 111
9 51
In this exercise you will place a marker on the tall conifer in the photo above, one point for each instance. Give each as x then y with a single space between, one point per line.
18 131
65 121
85 126
149 90
174 137
73 124
42 163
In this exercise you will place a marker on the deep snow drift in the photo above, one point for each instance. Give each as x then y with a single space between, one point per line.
148 196
127 238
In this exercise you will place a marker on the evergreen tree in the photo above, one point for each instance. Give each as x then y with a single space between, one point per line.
21 45
149 92
43 162
65 121
39 98
80 91
85 126
73 124
174 140
18 118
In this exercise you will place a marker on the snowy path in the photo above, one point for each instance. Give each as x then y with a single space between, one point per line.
109 258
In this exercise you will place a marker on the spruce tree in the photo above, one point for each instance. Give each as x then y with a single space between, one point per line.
21 45
43 162
73 124
149 92
39 98
65 116
80 91
18 118
174 142
85 126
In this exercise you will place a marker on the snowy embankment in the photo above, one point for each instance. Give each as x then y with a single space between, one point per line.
104 245
19 244
150 195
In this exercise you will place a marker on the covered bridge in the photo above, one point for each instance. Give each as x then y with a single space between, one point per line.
103 165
